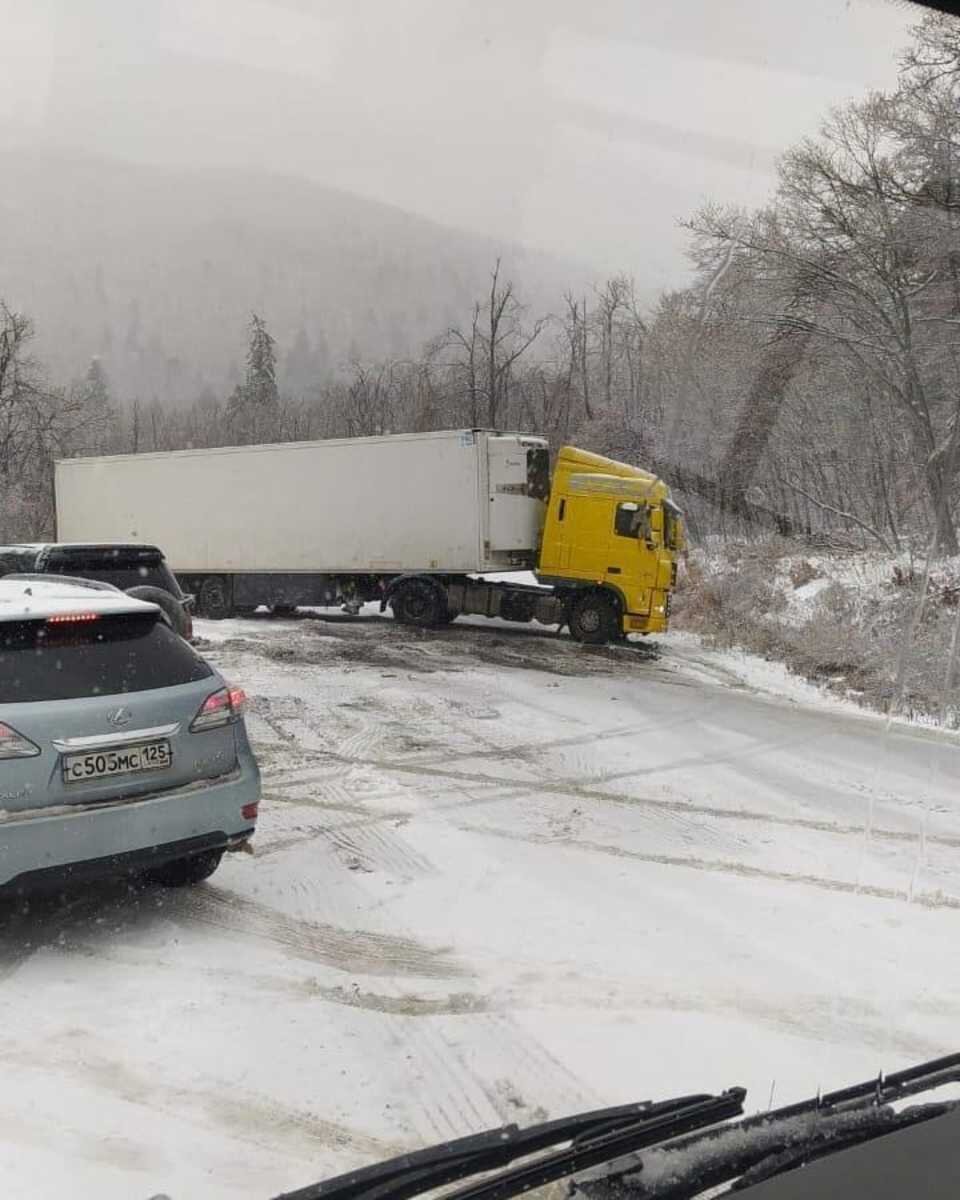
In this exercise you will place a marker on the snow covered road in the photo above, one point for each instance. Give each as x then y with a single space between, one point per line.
498 876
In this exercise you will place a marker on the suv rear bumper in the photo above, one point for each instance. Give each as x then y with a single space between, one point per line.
128 863
125 837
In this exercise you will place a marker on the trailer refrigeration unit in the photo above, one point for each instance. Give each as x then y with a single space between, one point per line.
411 520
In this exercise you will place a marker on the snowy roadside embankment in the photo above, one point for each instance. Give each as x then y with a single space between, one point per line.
859 627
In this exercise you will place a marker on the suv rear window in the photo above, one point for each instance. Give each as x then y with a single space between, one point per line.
122 570
106 657
17 561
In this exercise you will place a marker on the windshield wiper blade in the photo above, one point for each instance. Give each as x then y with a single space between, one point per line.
587 1152
748 1150
595 1137
492 1141
741 1153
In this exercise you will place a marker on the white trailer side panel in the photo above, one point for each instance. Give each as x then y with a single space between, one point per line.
415 502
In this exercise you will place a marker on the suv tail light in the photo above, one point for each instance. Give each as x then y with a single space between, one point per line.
222 708
15 745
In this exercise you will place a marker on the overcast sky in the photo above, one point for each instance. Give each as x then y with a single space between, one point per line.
584 127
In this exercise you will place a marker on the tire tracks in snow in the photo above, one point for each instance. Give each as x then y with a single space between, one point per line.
357 951
400 1003
499 1073
575 789
743 870
680 814
594 786
238 1114
811 1014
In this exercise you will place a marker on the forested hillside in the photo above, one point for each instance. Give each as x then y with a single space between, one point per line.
806 381
156 271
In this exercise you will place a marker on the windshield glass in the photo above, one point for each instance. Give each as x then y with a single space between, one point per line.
551 414
672 526
123 569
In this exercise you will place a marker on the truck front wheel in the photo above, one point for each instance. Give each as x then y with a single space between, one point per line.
417 602
593 619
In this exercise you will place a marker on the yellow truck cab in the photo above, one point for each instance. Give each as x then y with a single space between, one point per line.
611 539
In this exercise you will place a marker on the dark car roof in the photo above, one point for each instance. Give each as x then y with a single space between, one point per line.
85 547
68 548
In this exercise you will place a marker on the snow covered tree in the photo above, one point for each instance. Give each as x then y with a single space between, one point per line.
253 408
260 385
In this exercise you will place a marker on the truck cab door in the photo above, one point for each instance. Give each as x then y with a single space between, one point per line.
633 552
579 543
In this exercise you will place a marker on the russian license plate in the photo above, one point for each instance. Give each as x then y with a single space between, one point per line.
99 764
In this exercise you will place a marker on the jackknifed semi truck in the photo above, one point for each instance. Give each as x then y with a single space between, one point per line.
417 522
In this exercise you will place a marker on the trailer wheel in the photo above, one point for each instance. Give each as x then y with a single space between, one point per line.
213 601
593 619
417 602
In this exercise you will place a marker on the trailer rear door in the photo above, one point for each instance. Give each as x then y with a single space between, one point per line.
516 509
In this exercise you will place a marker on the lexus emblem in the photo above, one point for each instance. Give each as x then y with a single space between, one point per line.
120 717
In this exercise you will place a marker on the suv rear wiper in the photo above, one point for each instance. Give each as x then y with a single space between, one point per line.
741 1154
594 1137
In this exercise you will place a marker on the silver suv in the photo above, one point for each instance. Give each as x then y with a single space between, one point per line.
121 748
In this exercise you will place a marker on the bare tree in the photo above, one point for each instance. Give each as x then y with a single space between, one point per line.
487 352
466 367
576 332
369 399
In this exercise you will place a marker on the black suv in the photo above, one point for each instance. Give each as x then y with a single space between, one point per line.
140 571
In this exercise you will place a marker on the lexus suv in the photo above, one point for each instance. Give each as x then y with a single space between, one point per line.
121 749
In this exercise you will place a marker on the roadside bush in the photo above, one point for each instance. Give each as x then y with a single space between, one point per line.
803 572
859 639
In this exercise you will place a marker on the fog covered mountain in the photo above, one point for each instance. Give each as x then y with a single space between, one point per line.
156 271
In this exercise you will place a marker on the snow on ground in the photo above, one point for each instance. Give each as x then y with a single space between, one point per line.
498 876
766 677
801 605
773 679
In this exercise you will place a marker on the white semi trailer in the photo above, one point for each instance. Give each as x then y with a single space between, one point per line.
314 522
411 520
